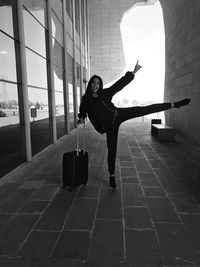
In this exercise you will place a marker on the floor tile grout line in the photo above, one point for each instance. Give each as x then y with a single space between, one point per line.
95 215
63 225
150 216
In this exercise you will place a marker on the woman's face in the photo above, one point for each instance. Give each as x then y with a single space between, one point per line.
95 85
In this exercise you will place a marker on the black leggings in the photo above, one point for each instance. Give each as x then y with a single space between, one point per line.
125 114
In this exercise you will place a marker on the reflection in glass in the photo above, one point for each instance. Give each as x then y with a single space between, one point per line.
36 69
38 99
12 152
37 8
57 7
34 34
6 21
78 97
39 117
71 106
60 117
57 28
57 53
7 58
58 79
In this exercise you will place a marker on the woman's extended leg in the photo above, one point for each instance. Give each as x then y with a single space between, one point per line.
133 112
138 111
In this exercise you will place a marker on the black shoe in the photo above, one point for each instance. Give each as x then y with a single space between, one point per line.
181 103
112 182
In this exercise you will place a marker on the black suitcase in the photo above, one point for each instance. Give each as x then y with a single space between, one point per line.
75 167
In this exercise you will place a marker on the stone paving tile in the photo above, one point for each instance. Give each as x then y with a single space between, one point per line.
142 165
72 245
126 163
162 210
15 232
82 215
8 189
107 241
4 218
128 172
89 191
157 164
184 203
38 245
132 195
32 184
142 247
176 246
55 215
109 204
137 218
125 158
153 191
136 152
148 179
96 174
46 192
35 206
191 222
15 201
131 180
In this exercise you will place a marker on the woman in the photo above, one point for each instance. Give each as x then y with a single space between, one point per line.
106 118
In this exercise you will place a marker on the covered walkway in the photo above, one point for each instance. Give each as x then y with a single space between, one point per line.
152 219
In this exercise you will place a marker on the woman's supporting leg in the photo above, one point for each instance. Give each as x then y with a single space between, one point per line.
112 136
138 111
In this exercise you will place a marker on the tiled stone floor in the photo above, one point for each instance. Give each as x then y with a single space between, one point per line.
152 219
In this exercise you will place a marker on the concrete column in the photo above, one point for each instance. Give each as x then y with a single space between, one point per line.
65 81
74 63
24 80
87 36
51 76
81 50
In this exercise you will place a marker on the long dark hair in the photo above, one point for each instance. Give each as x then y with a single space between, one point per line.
88 89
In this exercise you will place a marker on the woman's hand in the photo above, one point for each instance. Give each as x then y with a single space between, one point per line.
137 67
80 121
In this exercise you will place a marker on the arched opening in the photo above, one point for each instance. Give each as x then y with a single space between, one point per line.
143 37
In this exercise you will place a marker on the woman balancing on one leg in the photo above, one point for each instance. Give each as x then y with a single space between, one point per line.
106 118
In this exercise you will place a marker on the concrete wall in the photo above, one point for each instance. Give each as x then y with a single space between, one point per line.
182 79
106 49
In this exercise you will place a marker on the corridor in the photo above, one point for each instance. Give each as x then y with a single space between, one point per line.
152 219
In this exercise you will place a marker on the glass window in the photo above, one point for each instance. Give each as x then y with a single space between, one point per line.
77 19
6 21
7 58
39 117
57 7
57 53
78 97
12 152
60 117
57 28
37 8
58 79
36 69
34 34
69 7
71 106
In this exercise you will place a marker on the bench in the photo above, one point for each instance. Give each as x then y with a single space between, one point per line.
163 132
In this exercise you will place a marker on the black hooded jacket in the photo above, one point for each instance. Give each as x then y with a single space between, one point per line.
100 110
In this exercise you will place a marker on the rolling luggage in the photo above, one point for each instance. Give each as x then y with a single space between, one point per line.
75 165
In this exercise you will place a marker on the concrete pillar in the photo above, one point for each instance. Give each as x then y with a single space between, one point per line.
65 80
24 80
51 76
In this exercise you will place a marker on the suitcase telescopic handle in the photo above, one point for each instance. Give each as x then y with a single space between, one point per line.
77 140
